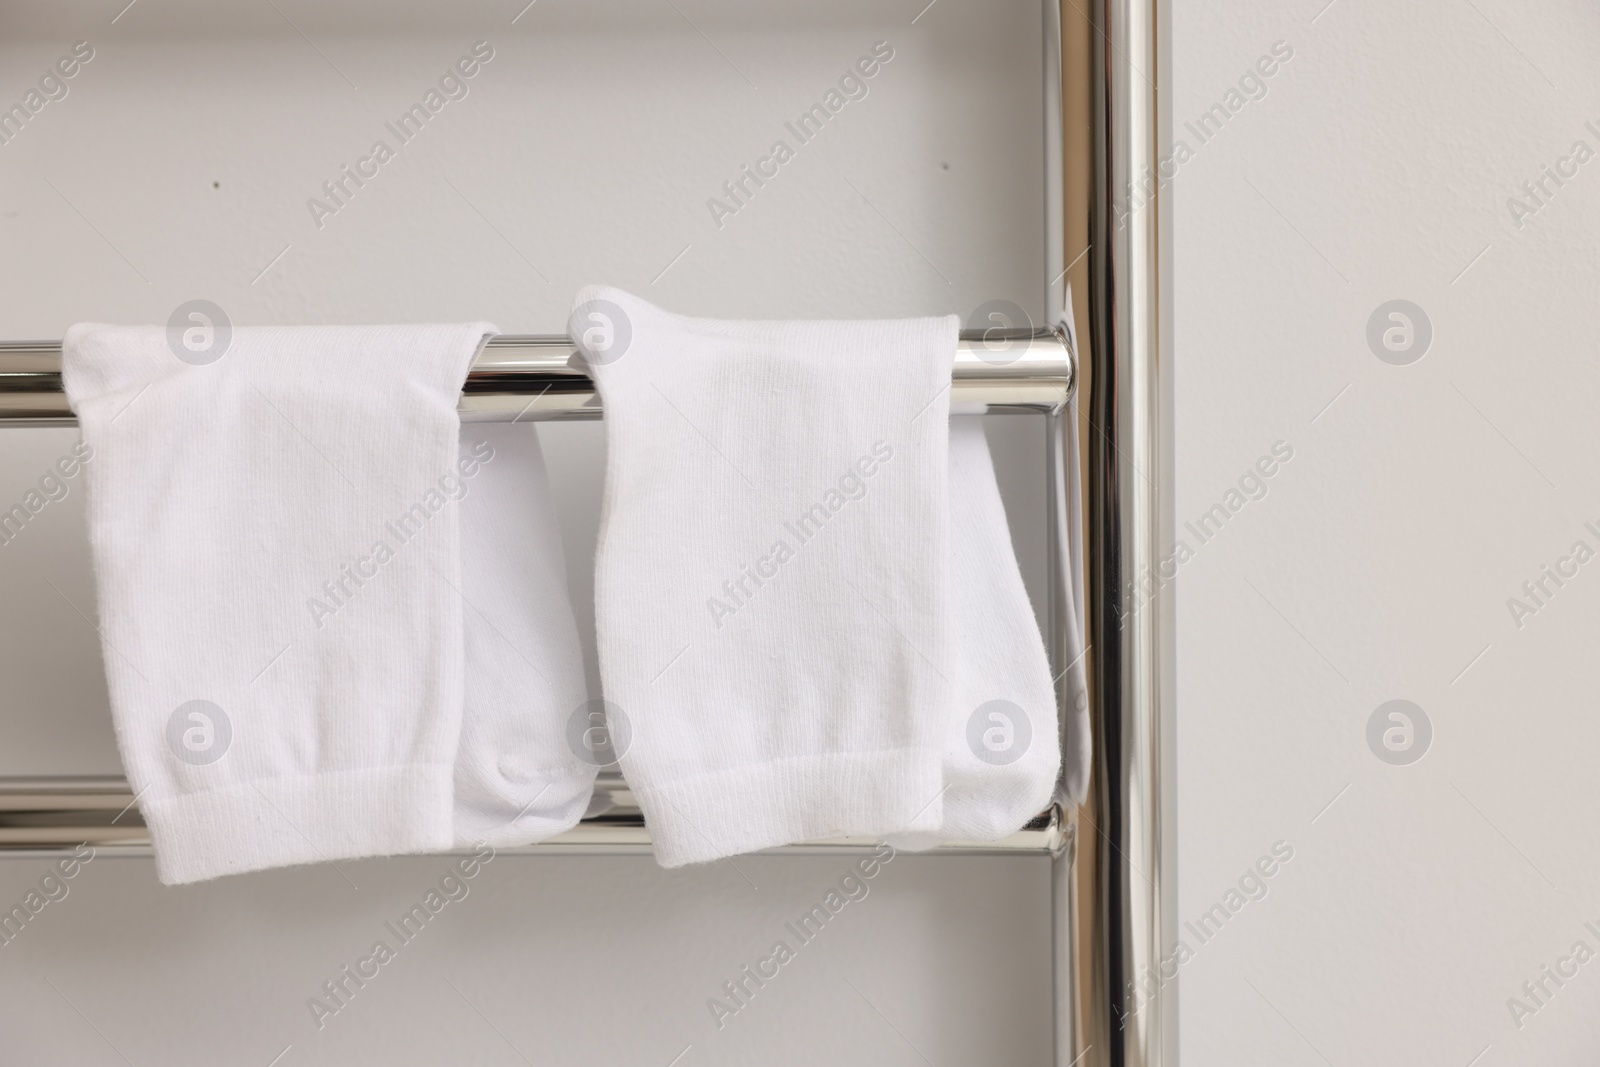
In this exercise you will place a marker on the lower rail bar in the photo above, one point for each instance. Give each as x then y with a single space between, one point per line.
38 814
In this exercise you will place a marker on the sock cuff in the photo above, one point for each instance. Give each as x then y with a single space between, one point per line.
277 822
799 798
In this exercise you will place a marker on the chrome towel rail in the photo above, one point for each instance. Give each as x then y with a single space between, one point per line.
62 812
1106 202
535 378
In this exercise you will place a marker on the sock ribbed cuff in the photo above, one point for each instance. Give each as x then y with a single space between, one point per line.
803 798
277 822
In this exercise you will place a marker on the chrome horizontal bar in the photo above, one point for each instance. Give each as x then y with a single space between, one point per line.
45 814
536 379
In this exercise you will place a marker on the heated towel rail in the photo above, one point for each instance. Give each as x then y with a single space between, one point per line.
536 378
1105 269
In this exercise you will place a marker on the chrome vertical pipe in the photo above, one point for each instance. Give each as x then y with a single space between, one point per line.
1119 896
1127 609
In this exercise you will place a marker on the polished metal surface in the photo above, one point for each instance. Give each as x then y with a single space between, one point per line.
532 379
1114 884
1131 897
62 812
1071 1042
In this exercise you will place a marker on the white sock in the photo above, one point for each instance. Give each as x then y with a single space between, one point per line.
519 777
792 702
1002 753
284 689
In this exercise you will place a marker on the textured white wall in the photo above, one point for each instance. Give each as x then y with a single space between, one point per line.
178 167
1420 497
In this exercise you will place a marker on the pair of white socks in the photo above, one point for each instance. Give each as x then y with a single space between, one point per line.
807 604
326 712
335 621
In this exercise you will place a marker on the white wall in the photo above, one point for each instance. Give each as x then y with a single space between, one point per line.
178 167
1378 567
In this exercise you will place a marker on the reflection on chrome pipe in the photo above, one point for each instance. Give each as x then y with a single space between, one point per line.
1131 805
1113 890
39 814
534 379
